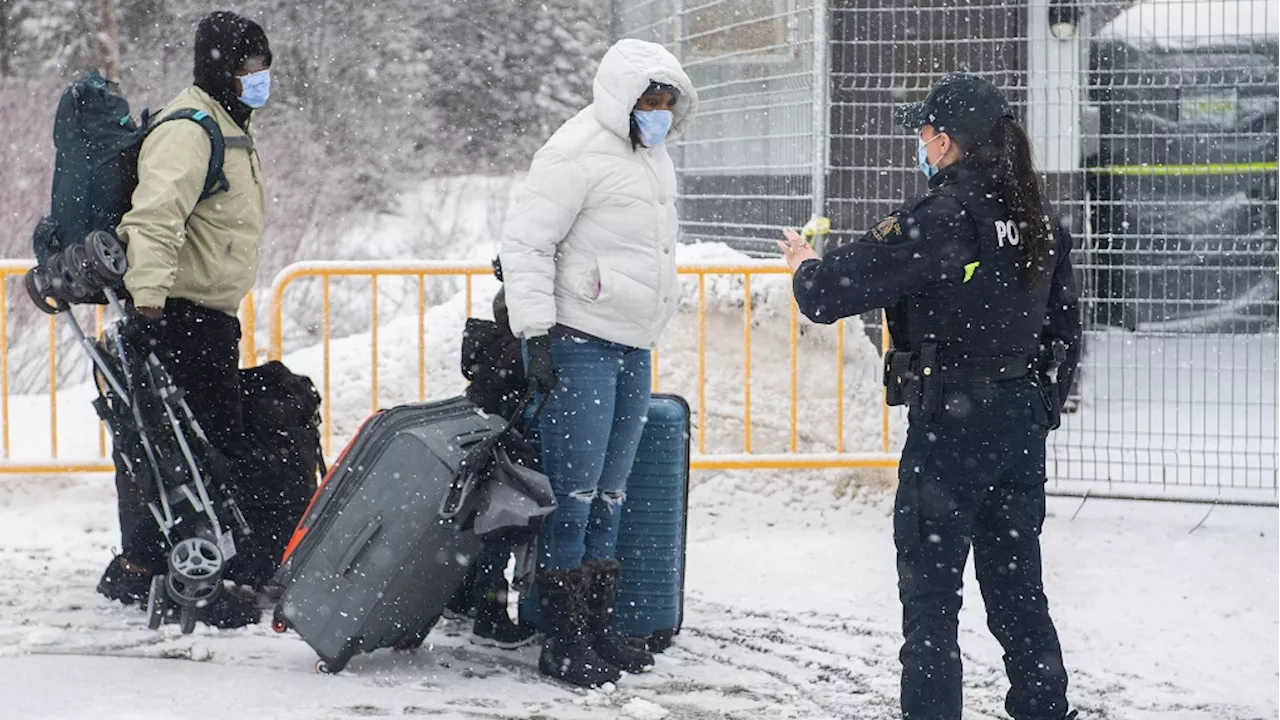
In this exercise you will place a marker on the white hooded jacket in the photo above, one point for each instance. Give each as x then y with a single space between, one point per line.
591 242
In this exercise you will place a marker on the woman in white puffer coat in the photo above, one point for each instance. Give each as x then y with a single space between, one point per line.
588 259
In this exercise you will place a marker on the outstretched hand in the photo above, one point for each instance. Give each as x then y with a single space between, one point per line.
796 249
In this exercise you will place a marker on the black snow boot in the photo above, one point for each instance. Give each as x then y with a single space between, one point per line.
603 577
460 605
129 586
566 650
493 627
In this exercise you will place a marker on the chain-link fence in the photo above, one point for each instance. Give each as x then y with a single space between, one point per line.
1155 124
750 165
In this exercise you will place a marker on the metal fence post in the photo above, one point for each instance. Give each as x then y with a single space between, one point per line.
678 30
677 17
821 81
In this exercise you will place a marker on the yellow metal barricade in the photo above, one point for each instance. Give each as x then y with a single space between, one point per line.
13 295
325 272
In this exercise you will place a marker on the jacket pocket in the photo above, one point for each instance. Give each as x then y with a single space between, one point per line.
630 298
577 279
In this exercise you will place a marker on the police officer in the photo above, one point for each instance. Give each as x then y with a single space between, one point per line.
976 280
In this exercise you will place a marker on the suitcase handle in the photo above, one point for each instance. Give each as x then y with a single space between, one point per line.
358 545
466 480
473 437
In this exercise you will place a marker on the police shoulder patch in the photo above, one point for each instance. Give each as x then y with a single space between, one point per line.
887 230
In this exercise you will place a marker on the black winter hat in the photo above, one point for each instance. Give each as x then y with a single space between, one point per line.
224 41
962 105
657 87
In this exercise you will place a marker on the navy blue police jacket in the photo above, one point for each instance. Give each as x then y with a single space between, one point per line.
948 268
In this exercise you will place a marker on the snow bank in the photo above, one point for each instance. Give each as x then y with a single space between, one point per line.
1190 24
448 218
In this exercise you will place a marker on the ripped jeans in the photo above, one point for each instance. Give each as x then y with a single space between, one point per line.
590 430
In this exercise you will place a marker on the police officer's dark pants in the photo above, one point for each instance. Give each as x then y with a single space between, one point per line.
974 476
200 349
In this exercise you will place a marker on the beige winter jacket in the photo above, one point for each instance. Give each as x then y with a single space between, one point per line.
207 252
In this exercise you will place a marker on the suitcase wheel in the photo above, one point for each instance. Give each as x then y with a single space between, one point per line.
661 640
326 667
278 623
333 666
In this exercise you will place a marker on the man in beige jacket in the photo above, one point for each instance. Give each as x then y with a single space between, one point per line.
192 260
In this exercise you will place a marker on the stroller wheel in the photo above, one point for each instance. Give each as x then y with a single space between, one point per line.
81 284
157 602
192 594
37 289
196 561
188 621
105 256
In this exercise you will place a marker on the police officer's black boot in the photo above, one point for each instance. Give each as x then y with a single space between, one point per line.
603 578
567 652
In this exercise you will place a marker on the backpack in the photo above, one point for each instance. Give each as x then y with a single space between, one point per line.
96 166
493 358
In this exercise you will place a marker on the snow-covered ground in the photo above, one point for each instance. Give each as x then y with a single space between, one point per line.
792 613
1177 415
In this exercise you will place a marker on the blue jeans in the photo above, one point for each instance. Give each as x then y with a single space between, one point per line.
590 430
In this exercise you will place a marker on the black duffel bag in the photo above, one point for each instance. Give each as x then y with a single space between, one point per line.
278 467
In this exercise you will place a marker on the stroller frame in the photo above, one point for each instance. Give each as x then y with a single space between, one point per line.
183 476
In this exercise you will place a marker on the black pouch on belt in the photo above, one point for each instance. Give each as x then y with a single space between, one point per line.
899 378
930 380
1046 376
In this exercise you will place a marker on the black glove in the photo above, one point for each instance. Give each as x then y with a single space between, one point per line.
141 332
541 376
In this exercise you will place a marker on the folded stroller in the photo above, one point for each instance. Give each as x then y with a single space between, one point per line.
187 482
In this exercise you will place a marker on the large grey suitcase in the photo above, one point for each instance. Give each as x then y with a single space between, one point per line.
373 563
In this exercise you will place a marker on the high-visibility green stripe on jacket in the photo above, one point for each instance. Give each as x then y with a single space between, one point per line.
205 252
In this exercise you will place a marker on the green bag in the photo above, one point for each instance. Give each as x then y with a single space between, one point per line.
96 168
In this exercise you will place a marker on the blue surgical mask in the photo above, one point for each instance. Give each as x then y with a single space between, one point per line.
922 156
653 124
256 88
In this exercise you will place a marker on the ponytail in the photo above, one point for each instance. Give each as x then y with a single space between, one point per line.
1007 158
